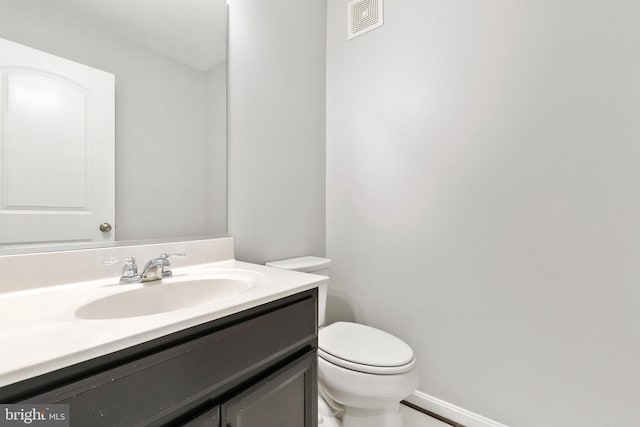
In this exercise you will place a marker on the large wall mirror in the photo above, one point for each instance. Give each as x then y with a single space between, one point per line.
167 62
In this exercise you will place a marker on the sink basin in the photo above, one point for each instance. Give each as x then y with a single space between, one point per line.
163 296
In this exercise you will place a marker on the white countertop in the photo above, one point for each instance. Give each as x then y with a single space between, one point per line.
40 332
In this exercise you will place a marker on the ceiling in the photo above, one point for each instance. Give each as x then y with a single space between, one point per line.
193 32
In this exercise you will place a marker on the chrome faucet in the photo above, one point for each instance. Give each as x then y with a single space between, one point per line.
158 268
154 269
129 271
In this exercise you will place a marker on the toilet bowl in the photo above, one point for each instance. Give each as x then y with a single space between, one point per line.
363 372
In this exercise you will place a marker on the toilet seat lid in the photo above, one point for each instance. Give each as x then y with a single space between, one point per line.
364 349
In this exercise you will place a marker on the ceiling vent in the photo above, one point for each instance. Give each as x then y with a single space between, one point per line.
363 16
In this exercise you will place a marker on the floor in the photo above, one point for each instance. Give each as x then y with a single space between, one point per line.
413 418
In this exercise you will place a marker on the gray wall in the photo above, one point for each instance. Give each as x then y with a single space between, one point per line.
216 149
276 163
163 145
483 200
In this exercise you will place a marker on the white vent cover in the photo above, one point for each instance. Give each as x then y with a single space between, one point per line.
363 16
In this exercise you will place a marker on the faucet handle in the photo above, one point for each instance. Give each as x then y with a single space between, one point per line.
167 256
130 269
165 271
113 261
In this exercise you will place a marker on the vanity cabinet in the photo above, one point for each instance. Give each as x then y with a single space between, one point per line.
256 368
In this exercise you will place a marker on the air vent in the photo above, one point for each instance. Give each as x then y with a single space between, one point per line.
363 15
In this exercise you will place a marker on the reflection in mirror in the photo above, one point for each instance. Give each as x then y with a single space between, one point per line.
168 61
57 118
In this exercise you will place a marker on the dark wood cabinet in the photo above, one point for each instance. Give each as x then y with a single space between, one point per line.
284 399
211 418
254 368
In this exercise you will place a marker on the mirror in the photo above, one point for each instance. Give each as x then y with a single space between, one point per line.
168 60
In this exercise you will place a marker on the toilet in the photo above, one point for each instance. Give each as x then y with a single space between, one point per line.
363 372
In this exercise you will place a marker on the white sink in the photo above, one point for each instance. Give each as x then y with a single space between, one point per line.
163 296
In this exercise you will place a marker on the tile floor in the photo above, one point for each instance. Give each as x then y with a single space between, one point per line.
413 418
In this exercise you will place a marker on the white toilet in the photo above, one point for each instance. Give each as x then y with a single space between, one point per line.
363 372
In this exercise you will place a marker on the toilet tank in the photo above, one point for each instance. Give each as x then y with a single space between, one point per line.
309 264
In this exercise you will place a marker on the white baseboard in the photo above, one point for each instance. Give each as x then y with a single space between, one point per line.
450 411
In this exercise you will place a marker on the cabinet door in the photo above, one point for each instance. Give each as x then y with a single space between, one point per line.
286 398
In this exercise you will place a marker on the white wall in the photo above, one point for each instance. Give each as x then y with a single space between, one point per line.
161 137
483 200
216 154
276 162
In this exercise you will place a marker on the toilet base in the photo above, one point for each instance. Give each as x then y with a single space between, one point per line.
326 415
383 417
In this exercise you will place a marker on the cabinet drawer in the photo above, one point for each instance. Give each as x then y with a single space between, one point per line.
173 381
